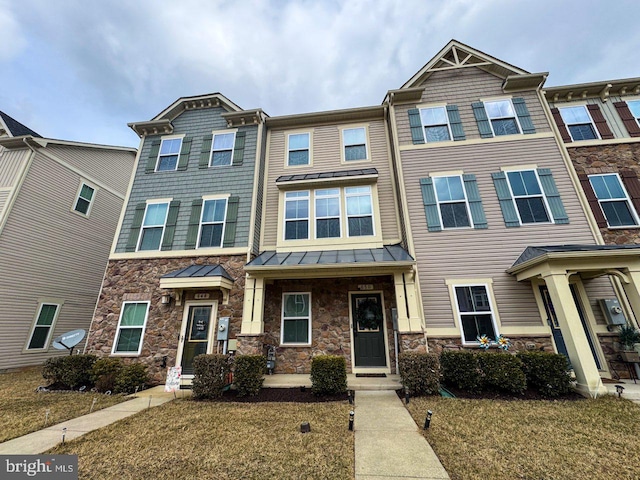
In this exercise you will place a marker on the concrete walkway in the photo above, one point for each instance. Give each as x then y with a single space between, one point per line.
388 444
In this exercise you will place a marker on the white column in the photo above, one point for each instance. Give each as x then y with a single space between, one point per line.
253 309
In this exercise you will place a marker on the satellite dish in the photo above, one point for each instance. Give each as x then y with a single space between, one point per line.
68 340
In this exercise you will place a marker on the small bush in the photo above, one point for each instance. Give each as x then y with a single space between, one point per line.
328 375
502 371
460 369
130 377
53 370
420 372
72 371
548 373
210 374
248 374
104 373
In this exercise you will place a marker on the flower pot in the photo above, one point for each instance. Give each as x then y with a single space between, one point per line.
630 356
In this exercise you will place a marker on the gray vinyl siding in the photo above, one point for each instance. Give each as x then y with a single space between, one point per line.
326 153
194 182
47 251
472 253
462 87
608 110
11 164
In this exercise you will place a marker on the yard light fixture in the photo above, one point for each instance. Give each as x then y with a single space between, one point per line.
64 432
351 416
350 396
406 395
619 390
305 427
427 421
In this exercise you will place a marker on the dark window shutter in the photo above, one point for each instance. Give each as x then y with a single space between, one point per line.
205 151
475 202
170 226
564 133
484 127
230 222
632 184
416 126
153 156
238 148
523 115
134 233
194 224
601 123
504 197
593 200
556 206
630 123
455 122
430 204
185 150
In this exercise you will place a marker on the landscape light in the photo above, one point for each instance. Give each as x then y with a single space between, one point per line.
619 390
305 427
351 416
427 421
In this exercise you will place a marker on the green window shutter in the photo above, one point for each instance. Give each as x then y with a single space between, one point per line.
455 122
553 197
416 126
205 151
134 233
185 150
504 197
523 115
238 148
153 156
475 202
194 224
430 204
484 127
170 227
230 222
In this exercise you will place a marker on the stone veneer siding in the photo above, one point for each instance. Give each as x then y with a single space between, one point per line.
139 280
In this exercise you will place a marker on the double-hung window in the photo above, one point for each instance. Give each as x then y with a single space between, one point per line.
296 216
502 117
435 124
168 155
355 143
222 149
579 123
327 212
155 217
212 223
613 199
296 319
475 312
452 202
84 199
528 196
298 149
359 211
133 319
43 326
634 108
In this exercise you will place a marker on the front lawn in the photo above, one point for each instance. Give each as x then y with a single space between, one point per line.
520 439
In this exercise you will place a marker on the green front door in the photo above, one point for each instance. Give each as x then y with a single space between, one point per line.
196 337
368 330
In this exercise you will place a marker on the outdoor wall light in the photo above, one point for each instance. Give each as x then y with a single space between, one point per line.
305 427
165 299
351 417
619 390
427 421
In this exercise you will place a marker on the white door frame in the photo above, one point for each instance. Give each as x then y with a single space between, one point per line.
355 369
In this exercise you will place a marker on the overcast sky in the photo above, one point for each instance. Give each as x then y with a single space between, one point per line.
81 70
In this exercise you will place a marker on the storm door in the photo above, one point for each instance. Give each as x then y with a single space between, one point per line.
196 337
368 330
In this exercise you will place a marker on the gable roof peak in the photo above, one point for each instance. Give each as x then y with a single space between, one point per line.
11 127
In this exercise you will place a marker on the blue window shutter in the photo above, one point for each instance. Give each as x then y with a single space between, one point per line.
230 222
504 197
170 227
455 122
185 150
238 148
475 202
416 126
553 197
134 233
484 127
153 156
430 204
523 115
194 224
205 151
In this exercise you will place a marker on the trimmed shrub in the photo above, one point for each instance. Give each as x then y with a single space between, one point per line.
53 369
420 372
460 369
131 376
248 374
328 375
72 371
548 373
104 373
210 374
502 371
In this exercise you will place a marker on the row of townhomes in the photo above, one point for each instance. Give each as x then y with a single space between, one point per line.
472 201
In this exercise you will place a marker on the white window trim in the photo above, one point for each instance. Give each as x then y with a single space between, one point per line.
515 115
233 148
315 215
466 202
282 344
77 197
542 194
224 222
635 100
164 225
58 304
593 124
162 139
144 327
626 199
366 144
347 216
310 206
454 299
446 115
309 149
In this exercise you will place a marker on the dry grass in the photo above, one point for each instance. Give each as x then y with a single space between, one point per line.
23 411
188 439
479 439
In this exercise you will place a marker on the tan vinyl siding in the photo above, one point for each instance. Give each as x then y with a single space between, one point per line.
463 87
597 288
471 253
4 198
11 164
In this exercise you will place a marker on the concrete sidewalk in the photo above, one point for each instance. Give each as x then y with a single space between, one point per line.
388 443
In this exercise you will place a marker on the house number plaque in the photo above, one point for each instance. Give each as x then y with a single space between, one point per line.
201 296
367 286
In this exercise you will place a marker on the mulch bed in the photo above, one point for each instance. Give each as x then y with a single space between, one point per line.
493 395
297 395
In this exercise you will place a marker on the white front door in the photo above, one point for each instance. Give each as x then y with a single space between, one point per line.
196 336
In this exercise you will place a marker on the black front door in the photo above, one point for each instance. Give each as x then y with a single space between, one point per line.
368 330
196 337
552 320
